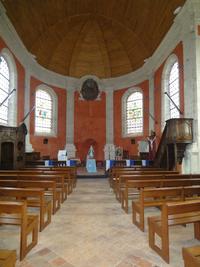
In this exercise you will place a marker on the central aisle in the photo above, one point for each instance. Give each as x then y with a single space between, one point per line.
91 230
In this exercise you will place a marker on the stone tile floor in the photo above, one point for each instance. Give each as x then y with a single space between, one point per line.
91 230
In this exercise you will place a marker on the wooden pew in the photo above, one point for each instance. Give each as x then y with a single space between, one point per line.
15 213
177 213
66 177
153 198
114 171
156 197
59 179
72 171
137 184
137 173
7 258
123 178
34 197
191 256
49 186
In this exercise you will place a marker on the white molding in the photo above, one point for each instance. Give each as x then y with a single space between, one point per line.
151 104
71 150
28 147
109 117
70 117
109 151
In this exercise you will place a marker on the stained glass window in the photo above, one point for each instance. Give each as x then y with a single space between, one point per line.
4 90
134 113
173 90
43 112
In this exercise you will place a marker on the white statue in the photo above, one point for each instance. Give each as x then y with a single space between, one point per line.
90 154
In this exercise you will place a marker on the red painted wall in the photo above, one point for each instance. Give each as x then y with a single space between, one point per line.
20 84
90 126
158 87
125 143
90 116
54 143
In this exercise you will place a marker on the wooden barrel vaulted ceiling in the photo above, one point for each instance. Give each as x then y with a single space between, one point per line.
91 37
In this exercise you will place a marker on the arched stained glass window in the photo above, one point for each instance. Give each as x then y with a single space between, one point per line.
4 90
43 112
171 86
173 90
132 113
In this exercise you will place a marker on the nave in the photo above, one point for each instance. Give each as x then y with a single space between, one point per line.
91 230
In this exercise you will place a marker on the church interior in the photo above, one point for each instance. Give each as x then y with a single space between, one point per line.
99 133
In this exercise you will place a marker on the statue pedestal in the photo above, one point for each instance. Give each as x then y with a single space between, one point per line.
91 165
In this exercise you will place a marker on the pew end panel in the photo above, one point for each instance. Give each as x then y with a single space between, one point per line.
177 213
15 213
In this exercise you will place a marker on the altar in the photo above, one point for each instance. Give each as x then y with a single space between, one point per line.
91 165
128 163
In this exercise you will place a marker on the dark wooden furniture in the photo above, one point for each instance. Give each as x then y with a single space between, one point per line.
12 147
175 137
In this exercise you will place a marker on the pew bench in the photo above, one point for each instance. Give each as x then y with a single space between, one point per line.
123 178
139 173
34 197
177 213
7 258
117 171
59 179
156 197
15 213
48 186
132 187
191 256
153 198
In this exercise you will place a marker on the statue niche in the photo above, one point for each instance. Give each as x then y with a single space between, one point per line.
12 147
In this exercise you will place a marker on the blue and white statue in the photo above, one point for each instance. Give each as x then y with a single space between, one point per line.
90 154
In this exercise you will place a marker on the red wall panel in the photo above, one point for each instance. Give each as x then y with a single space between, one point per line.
90 126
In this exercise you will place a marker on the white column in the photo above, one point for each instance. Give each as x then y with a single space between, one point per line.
109 148
27 108
191 50
70 147
151 104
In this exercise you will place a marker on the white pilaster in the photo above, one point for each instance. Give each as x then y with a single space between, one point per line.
70 147
109 148
27 108
151 104
191 49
